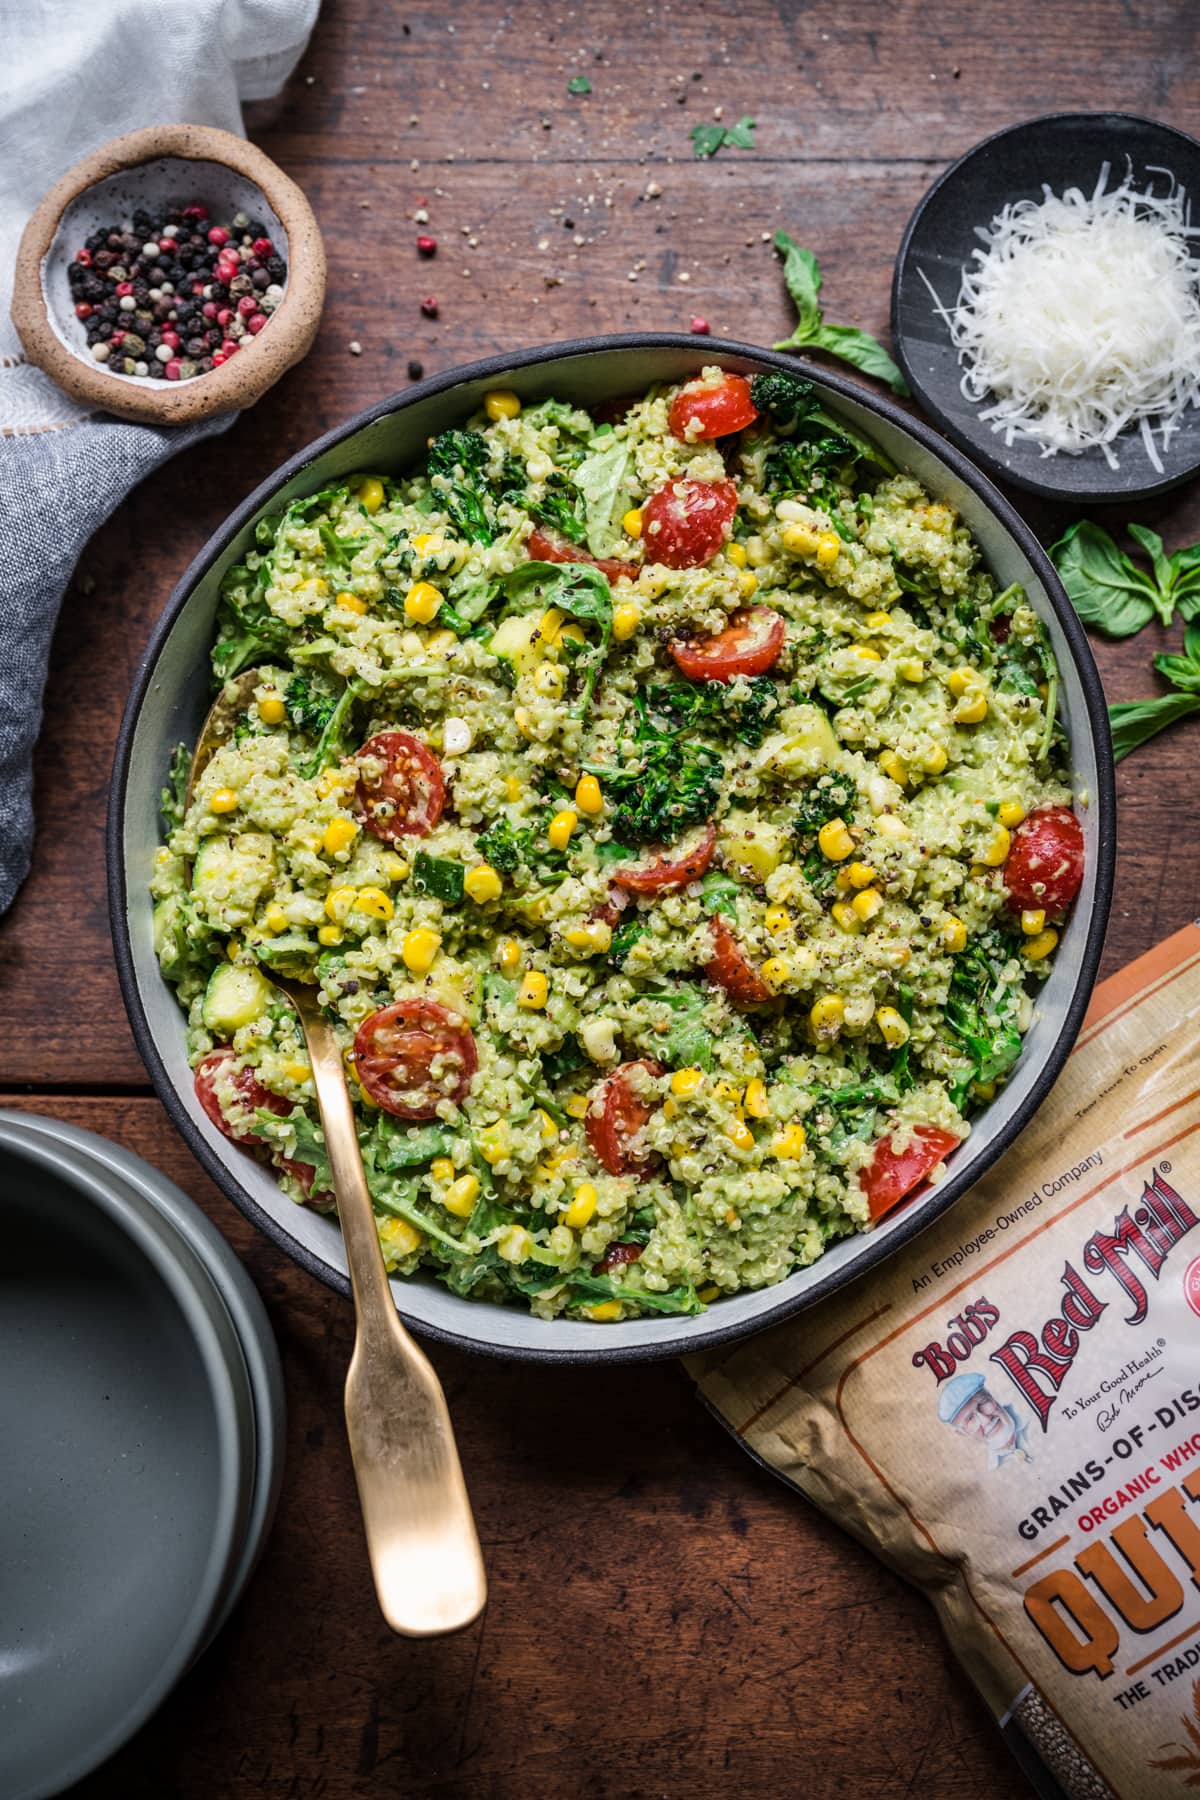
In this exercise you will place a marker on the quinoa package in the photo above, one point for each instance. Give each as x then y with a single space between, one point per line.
1008 1411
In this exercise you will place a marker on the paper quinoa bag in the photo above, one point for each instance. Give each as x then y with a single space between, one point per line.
1008 1411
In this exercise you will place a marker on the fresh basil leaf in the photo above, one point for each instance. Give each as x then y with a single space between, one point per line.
1162 564
707 140
1106 589
802 277
1134 722
741 135
861 350
1183 672
579 84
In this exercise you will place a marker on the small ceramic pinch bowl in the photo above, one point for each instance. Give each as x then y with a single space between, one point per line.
169 165
125 1481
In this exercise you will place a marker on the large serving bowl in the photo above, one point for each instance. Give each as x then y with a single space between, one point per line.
171 694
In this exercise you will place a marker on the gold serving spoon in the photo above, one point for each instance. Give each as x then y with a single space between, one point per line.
421 1537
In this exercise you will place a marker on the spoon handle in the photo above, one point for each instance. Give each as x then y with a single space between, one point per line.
421 1537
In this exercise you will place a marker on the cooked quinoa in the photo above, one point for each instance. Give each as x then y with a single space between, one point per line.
701 873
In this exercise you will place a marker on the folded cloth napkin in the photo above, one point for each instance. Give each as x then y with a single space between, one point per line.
72 75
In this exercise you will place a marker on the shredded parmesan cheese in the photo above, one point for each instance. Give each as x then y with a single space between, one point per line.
1080 318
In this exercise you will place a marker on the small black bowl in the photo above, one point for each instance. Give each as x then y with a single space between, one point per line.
1061 150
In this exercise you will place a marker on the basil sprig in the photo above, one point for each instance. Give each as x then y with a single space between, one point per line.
1111 593
802 274
1135 721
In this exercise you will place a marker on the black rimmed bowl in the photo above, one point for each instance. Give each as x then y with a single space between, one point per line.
171 693
1060 150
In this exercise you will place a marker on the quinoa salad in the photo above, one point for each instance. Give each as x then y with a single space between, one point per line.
674 818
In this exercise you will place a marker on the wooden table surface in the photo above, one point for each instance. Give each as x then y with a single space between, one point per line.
665 1620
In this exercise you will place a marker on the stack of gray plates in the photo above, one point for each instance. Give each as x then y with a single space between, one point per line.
141 1419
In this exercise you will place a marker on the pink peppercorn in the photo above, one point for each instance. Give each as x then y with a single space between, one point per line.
117 339
429 306
700 326
218 235
83 310
195 212
168 246
209 309
255 323
124 287
224 314
84 257
173 369
219 358
247 304
169 338
427 246
263 247
229 346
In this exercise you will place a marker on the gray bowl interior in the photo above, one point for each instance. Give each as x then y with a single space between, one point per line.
120 1512
169 703
164 182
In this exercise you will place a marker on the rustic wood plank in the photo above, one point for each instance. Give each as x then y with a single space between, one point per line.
664 1617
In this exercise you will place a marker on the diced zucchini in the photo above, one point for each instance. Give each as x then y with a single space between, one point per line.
514 641
230 875
290 951
752 846
805 743
236 994
439 876
170 939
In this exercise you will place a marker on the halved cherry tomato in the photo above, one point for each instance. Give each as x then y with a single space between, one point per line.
667 872
407 797
414 1054
749 645
716 411
615 1255
613 1131
686 522
252 1095
547 546
731 969
1045 864
891 1174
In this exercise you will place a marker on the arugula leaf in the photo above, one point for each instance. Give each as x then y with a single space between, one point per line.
718 894
981 1011
708 139
393 1146
580 590
1135 722
172 801
802 276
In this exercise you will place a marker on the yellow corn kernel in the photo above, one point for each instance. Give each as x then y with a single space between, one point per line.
1041 945
912 668
549 1129
233 949
845 916
776 972
593 938
888 825
961 681
318 586
686 1081
726 1091
339 834
374 902
605 1312
427 543
740 1134
514 1244
997 848
223 800
891 1024
508 955
330 780
439 642
577 1106
800 540
934 760
351 603
588 797
971 709
777 919
277 919
894 767
371 493
442 1169
550 625
860 874
460 1197
790 1144
828 550
864 653
1010 813
534 990
338 903
1033 921
756 552
394 867
550 679
867 904
736 554
501 403
954 935
747 584
420 948
835 841
877 620
708 1294
297 1071
495 1142
558 832
512 788
625 619
827 1015
937 517
482 884
400 1236
422 602
631 522
582 1207
757 1104
271 709
523 723
329 935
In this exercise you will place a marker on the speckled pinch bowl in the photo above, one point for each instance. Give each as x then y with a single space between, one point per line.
166 165
141 1456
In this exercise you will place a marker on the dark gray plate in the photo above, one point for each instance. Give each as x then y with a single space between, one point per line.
1063 150
121 1515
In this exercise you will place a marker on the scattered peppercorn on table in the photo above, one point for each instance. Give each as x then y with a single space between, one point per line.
660 1610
